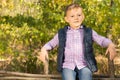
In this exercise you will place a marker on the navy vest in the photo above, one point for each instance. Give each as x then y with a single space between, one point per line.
88 48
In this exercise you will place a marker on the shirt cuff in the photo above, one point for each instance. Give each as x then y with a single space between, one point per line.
106 43
47 47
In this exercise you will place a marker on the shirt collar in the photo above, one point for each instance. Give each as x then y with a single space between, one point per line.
81 27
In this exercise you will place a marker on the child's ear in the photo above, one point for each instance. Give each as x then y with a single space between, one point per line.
83 17
66 19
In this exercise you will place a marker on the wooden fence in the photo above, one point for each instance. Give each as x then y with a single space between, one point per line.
6 75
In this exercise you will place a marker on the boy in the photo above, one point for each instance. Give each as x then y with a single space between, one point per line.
75 52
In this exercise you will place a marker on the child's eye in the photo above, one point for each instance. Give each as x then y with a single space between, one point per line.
71 16
79 15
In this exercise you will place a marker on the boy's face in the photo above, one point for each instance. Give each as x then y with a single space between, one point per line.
74 17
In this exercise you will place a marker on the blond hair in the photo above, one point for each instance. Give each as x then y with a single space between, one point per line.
71 6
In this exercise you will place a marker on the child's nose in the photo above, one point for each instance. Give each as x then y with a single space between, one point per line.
76 18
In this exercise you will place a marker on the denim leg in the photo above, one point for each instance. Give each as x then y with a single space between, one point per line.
85 74
68 74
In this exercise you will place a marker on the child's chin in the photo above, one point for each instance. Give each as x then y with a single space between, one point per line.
77 25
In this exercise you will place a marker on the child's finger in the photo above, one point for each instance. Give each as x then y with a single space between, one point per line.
106 52
41 57
112 54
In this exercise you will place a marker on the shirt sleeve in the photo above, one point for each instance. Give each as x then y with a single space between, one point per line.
102 41
52 43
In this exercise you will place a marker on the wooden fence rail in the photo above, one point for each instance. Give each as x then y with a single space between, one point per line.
7 75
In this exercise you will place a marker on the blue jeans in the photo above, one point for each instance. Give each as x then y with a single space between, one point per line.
82 74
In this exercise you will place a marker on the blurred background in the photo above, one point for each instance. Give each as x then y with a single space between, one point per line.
26 25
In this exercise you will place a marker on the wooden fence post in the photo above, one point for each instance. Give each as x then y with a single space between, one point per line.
111 68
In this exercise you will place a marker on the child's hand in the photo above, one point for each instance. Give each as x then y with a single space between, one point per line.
111 51
43 56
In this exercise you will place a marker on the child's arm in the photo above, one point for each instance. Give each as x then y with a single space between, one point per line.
105 42
43 55
111 51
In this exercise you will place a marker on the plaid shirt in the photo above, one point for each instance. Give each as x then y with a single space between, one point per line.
74 54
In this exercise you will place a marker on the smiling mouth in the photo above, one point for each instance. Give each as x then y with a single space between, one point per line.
76 21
